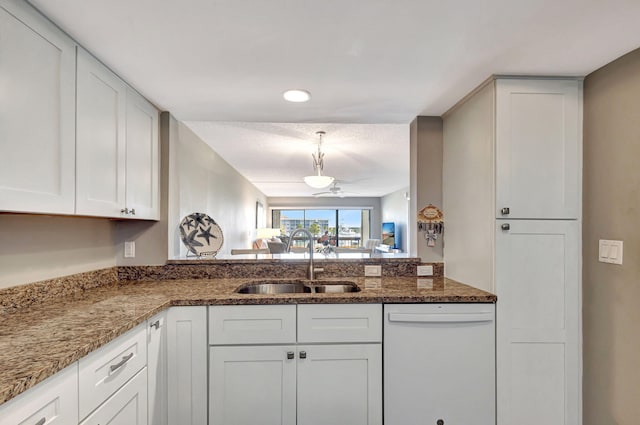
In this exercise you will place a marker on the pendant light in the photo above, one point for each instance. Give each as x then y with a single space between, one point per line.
318 181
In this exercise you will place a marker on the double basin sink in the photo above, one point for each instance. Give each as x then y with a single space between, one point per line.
271 287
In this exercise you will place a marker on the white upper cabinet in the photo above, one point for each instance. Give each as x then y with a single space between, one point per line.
37 112
142 163
117 146
538 140
101 154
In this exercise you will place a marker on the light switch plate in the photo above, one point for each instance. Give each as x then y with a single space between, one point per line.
129 249
373 270
610 251
425 270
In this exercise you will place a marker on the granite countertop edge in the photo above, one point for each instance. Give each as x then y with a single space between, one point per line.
61 332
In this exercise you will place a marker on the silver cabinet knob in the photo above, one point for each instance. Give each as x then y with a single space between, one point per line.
155 324
303 354
504 211
125 211
506 226
133 211
290 355
42 421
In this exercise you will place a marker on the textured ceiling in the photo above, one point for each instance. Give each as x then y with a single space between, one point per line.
366 159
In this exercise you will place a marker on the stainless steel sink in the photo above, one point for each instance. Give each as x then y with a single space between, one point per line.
297 287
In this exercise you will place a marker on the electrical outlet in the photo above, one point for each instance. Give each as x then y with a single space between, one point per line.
425 270
129 249
373 270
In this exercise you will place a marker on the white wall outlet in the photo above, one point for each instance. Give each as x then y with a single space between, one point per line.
373 270
610 251
425 270
129 249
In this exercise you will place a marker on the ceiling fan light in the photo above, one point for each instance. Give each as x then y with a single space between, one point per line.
297 95
318 181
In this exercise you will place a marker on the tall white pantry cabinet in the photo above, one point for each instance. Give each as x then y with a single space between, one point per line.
512 201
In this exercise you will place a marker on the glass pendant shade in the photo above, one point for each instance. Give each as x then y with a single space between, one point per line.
318 181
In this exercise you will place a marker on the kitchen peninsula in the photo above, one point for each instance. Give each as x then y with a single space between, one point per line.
49 326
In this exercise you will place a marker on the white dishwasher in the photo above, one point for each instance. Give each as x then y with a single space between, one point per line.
439 364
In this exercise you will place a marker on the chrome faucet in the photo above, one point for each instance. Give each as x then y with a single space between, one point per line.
311 272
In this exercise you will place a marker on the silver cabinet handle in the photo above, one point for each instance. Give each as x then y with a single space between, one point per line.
504 211
290 355
303 354
41 421
506 226
155 324
125 211
121 363
133 211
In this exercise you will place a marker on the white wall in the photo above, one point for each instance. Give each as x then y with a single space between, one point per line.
38 247
201 181
395 208
468 180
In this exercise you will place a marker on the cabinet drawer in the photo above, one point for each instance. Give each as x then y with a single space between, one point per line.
108 368
54 402
127 406
340 323
252 324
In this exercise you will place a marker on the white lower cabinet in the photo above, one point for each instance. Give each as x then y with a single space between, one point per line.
538 328
250 379
52 402
104 371
128 406
340 384
157 369
187 365
288 384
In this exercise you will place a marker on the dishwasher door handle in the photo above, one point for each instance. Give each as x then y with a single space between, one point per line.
441 317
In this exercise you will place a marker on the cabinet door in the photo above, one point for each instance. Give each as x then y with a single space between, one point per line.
52 402
37 113
539 360
126 407
253 384
157 369
340 384
538 148
100 146
187 365
142 191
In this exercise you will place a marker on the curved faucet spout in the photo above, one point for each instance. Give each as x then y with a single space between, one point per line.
310 270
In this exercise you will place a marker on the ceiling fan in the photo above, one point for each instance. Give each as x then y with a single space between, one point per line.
334 190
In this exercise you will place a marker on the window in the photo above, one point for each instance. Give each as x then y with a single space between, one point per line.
348 228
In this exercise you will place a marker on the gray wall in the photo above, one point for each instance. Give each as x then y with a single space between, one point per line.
611 210
201 181
395 207
38 247
426 181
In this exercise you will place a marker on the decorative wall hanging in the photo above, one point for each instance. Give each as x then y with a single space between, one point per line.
201 235
431 221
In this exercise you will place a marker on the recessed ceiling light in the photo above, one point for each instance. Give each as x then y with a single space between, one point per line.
297 95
